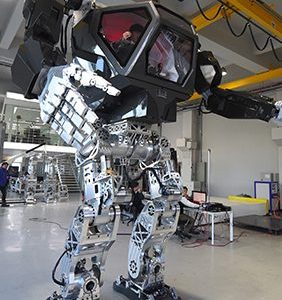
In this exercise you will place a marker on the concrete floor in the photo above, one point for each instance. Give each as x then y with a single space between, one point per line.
247 269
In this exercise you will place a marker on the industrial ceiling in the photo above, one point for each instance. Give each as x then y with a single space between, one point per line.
247 66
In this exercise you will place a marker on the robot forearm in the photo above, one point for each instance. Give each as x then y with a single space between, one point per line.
241 105
228 103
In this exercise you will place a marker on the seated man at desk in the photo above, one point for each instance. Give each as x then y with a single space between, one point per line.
186 200
185 222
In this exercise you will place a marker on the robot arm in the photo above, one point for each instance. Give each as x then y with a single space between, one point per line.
63 107
228 103
41 71
44 27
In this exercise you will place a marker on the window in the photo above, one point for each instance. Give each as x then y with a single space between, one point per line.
170 57
123 30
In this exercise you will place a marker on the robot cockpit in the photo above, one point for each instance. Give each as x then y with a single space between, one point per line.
147 52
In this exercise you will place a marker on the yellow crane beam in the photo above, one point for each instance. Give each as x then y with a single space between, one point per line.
240 83
200 22
260 13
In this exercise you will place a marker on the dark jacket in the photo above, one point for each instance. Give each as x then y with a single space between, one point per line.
137 204
4 177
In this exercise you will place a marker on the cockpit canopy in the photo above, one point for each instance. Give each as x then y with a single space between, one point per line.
169 51
150 46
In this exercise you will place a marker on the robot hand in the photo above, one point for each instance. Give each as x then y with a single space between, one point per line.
64 108
87 79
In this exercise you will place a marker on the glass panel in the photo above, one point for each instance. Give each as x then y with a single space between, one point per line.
123 30
25 126
170 57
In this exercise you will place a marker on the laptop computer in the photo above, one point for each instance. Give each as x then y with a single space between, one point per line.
199 197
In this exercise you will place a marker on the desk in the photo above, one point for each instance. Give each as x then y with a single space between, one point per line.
212 216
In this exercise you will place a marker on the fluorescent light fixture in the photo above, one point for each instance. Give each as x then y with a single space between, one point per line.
223 71
20 97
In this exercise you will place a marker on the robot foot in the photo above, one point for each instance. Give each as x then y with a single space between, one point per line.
159 291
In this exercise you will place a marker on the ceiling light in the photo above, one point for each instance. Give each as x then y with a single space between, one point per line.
223 71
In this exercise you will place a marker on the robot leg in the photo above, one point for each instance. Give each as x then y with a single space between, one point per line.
156 223
30 190
89 239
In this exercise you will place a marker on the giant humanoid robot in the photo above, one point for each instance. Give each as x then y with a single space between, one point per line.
130 65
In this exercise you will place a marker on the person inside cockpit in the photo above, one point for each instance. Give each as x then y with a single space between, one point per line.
124 46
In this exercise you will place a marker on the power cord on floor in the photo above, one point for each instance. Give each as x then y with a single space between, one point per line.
44 220
202 241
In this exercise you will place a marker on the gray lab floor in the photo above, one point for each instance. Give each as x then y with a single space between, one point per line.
247 269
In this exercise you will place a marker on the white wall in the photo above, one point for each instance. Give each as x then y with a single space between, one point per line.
241 151
182 127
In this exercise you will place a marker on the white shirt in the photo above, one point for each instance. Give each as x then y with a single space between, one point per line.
188 203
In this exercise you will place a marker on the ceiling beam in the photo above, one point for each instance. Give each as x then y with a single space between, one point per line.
13 26
254 79
260 13
200 22
231 56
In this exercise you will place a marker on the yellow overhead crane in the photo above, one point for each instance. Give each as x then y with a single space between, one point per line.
258 12
243 82
200 22
255 10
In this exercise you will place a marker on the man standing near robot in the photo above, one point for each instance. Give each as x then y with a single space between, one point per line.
4 182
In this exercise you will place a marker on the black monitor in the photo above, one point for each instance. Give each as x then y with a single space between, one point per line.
199 197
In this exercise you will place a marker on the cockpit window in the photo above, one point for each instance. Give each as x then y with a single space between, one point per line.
123 30
170 57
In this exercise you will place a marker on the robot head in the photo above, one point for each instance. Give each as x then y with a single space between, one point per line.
146 51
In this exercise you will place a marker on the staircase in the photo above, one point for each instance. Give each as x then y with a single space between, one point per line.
67 173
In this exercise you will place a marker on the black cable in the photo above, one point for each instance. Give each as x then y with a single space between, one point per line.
230 242
255 42
61 283
230 26
199 242
274 51
44 220
248 24
248 20
62 39
205 16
